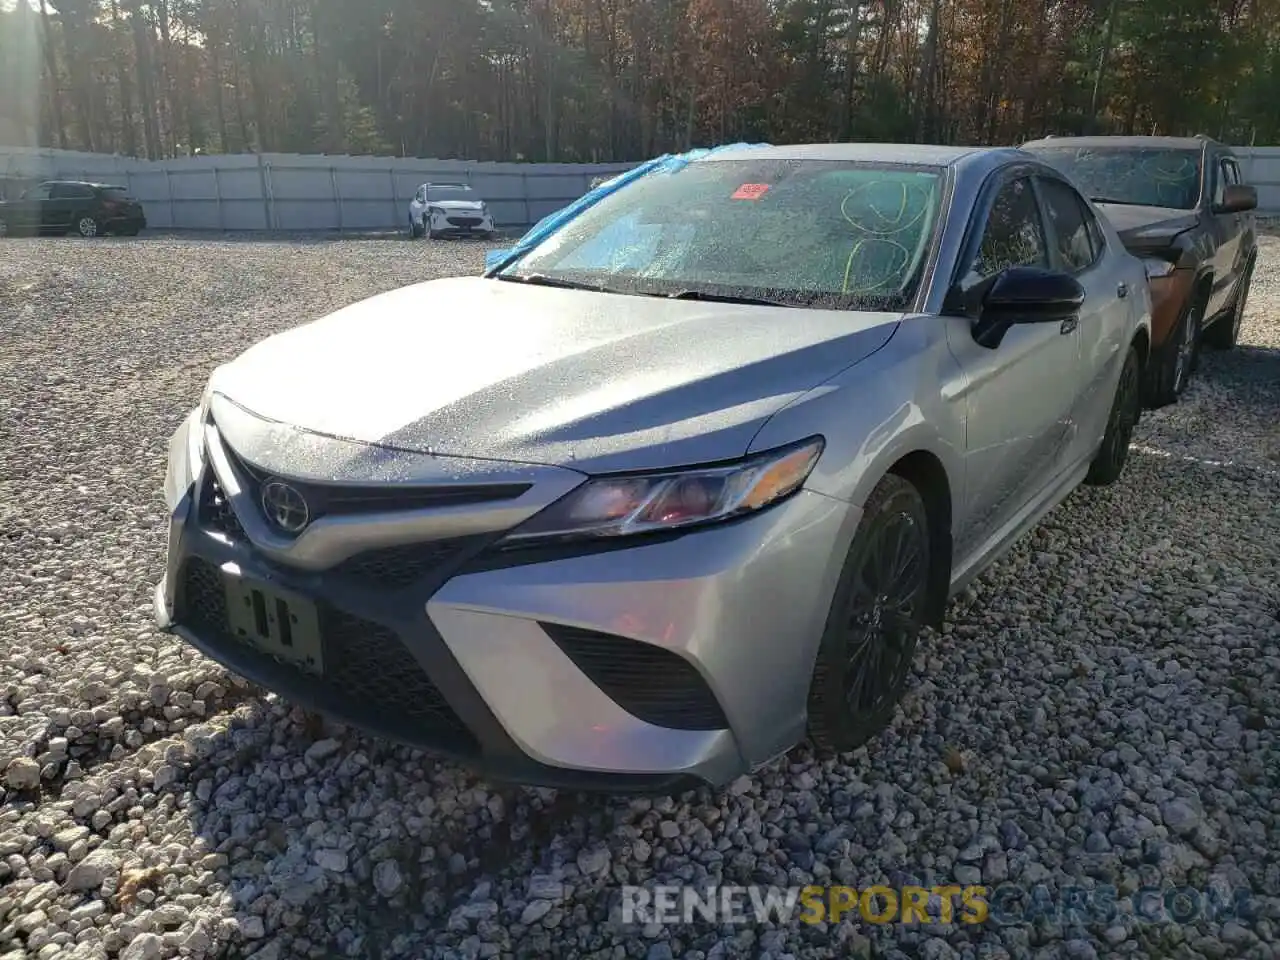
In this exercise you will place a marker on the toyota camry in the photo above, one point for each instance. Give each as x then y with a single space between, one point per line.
676 486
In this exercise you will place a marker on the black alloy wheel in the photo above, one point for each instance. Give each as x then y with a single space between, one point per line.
875 620
1126 409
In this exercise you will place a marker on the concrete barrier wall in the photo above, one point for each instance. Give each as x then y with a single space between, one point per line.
292 192
1260 167
299 193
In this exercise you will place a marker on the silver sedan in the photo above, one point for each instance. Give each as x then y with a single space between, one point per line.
676 488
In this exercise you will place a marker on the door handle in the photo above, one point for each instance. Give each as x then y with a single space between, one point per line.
1068 325
1122 291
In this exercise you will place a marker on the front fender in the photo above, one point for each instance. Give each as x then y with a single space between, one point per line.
873 414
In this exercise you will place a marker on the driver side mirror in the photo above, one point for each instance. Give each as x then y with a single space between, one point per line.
1025 295
1237 198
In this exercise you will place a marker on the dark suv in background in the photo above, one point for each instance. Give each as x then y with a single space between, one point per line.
1180 204
73 206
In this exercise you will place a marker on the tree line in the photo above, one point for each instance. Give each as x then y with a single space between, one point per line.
578 80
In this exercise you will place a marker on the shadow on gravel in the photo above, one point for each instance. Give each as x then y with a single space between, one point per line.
340 845
343 845
397 846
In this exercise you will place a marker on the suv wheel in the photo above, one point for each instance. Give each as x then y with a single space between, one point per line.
87 226
1225 334
1178 357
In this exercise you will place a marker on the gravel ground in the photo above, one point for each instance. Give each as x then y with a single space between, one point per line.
1101 708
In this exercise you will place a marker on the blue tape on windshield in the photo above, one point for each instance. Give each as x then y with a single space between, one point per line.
667 163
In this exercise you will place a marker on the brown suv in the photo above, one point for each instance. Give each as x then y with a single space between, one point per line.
1180 205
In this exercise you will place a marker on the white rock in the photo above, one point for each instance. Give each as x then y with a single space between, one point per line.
22 773
90 872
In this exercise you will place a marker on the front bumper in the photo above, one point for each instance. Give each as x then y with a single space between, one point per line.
646 667
463 225
1170 297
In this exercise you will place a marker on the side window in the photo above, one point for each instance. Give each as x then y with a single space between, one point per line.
1013 237
38 193
83 192
61 191
1097 238
1226 174
1067 214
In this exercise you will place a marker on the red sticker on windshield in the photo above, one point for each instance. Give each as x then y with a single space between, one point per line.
750 191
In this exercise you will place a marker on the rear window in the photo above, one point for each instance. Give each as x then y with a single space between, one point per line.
805 232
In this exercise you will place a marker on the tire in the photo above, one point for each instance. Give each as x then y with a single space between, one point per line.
1225 334
415 229
864 657
1126 409
1179 356
87 226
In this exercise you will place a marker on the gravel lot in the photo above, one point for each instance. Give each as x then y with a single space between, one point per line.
1102 707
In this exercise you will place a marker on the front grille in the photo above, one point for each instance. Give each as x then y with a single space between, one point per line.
388 567
367 668
324 499
402 566
464 221
214 511
649 682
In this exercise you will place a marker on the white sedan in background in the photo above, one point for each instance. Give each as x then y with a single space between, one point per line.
449 209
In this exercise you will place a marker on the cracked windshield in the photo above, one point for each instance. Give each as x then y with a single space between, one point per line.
640 479
1147 177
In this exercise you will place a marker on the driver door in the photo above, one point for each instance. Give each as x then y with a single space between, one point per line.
31 208
1228 230
1020 397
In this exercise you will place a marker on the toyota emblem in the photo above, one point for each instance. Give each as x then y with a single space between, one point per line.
285 507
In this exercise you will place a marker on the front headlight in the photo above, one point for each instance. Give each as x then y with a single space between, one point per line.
1157 268
618 506
186 458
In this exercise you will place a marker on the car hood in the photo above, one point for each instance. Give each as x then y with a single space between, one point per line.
476 205
482 368
1140 225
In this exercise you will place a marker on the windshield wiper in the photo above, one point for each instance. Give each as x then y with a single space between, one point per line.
724 298
1126 203
542 280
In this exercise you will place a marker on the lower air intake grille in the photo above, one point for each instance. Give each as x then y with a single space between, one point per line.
649 682
369 664
403 565
367 668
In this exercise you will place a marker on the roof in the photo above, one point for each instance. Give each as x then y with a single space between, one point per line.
1168 143
918 153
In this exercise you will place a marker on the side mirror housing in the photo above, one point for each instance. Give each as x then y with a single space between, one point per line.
1025 295
1237 198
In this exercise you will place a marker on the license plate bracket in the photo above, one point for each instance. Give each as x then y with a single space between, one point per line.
279 623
